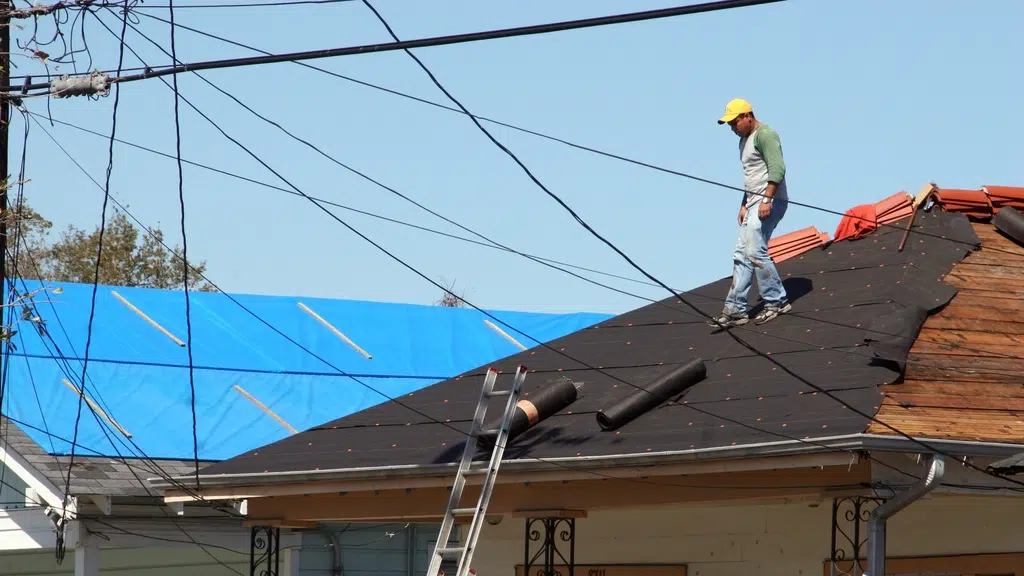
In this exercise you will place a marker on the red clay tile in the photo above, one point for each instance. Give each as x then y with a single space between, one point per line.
896 204
789 245
973 203
894 208
1005 196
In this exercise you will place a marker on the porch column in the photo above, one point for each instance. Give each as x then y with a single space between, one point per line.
87 555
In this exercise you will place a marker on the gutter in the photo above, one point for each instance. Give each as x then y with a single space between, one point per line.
848 442
781 448
879 516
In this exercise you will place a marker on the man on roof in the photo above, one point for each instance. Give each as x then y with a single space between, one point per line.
763 206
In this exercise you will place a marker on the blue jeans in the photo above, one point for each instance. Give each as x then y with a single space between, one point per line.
750 258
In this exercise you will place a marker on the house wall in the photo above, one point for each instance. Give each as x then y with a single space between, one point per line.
12 489
143 548
784 539
24 529
369 550
134 561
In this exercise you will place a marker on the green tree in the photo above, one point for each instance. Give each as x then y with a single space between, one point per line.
130 257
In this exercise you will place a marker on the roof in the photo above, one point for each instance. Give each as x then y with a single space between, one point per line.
859 305
138 370
94 475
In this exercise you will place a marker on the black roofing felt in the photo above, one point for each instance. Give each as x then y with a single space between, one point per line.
854 303
1009 466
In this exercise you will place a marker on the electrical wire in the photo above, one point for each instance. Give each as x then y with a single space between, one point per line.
184 250
498 246
9 308
675 294
357 210
469 303
428 279
596 474
569 143
96 276
491 242
86 4
413 269
436 41
134 446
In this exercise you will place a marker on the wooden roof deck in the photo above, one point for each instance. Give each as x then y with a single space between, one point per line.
965 375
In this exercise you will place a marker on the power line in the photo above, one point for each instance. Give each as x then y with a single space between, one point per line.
59 549
676 294
404 197
434 41
407 265
496 246
240 5
107 193
184 249
96 275
490 242
544 344
428 279
549 137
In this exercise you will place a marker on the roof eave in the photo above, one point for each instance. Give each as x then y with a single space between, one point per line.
526 465
974 448
851 442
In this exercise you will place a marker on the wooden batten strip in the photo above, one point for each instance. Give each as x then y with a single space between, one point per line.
152 322
504 334
95 408
263 407
337 332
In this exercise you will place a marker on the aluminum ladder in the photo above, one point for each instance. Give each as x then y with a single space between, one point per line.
464 553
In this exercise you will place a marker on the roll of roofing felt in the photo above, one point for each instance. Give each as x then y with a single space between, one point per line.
541 404
1010 222
665 387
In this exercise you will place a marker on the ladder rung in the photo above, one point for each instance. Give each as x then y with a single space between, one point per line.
492 431
464 511
498 393
451 551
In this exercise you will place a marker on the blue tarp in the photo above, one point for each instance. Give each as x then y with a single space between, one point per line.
139 376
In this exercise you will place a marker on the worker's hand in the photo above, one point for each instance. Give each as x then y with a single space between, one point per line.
743 214
764 210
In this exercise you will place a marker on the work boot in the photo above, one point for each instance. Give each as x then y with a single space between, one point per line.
771 311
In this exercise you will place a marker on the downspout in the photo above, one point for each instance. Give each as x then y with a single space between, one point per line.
878 517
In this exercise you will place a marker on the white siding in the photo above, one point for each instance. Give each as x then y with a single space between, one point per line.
24 528
137 561
785 539
12 489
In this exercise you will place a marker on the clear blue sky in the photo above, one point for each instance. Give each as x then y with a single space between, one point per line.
870 98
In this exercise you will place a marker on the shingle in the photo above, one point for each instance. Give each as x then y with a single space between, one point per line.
92 475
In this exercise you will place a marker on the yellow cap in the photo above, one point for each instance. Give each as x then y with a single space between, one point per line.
734 108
